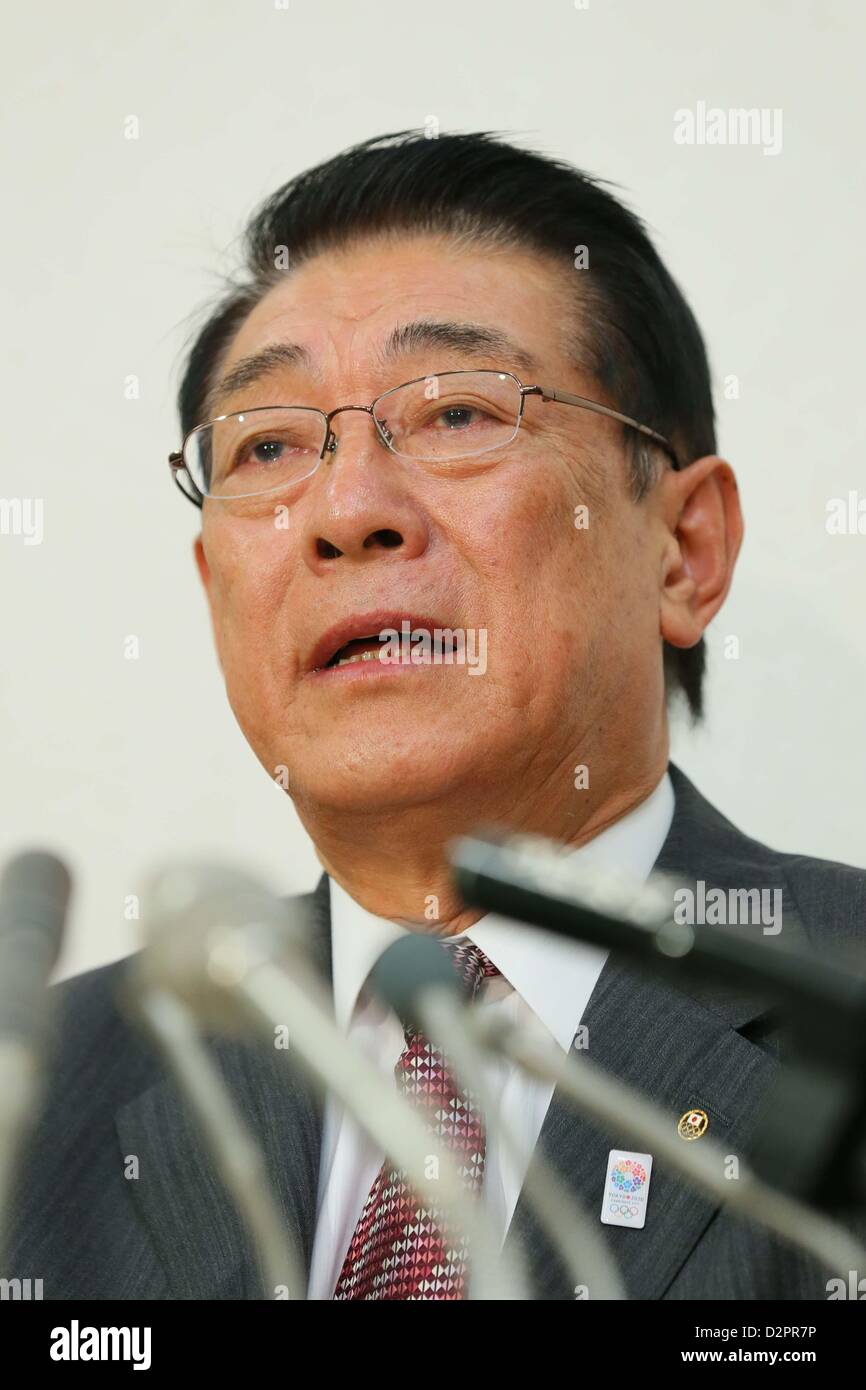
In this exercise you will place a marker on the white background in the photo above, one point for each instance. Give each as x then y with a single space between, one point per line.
111 244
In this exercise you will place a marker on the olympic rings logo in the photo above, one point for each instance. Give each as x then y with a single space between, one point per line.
620 1209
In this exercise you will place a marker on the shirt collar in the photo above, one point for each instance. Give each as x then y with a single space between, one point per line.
358 939
552 975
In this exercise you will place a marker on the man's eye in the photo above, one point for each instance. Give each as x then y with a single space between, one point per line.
458 416
267 451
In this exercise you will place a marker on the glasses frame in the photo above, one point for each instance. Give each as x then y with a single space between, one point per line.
177 462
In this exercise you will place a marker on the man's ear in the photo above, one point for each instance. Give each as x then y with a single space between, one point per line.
205 576
704 525
202 564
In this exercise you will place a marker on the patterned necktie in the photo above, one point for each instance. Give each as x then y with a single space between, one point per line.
402 1249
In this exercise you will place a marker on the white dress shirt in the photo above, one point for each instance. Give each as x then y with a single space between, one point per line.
545 985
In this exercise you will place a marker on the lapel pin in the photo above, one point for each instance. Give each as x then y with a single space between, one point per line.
693 1124
626 1188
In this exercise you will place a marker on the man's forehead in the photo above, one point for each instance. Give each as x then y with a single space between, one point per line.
427 301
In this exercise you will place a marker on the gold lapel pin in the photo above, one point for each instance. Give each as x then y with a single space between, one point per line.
693 1124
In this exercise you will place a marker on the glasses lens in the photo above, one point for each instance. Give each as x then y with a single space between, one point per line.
455 415
255 451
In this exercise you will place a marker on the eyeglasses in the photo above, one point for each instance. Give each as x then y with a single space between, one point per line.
436 421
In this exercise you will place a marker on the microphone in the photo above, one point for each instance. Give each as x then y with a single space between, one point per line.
415 978
34 896
234 956
206 925
539 881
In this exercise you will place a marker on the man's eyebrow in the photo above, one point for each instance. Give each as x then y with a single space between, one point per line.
250 370
475 339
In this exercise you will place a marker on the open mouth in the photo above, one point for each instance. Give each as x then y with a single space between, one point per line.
381 636
359 649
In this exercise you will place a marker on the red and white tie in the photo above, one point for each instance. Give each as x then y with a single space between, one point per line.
401 1249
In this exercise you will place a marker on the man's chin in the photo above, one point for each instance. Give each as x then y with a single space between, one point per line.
379 781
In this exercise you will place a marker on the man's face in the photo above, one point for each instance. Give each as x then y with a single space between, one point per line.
570 615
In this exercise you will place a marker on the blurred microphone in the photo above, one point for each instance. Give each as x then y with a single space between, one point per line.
34 897
416 979
207 926
233 957
540 882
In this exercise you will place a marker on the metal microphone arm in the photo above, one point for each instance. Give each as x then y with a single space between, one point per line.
238 1160
583 1249
236 956
415 979
269 997
619 1108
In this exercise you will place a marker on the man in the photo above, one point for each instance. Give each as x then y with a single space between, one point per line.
457 393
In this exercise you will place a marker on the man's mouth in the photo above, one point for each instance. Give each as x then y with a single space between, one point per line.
359 638
359 649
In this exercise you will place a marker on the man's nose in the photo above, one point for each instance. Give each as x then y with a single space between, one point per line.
364 504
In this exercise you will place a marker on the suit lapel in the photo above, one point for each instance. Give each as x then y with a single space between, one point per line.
682 1050
203 1248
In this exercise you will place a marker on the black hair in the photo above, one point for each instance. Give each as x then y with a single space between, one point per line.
635 332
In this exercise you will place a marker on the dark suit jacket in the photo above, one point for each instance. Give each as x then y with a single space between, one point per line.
90 1232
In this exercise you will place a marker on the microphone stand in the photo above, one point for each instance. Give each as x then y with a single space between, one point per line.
268 996
238 1160
580 1244
234 957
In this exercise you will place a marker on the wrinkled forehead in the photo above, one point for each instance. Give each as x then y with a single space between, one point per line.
370 311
